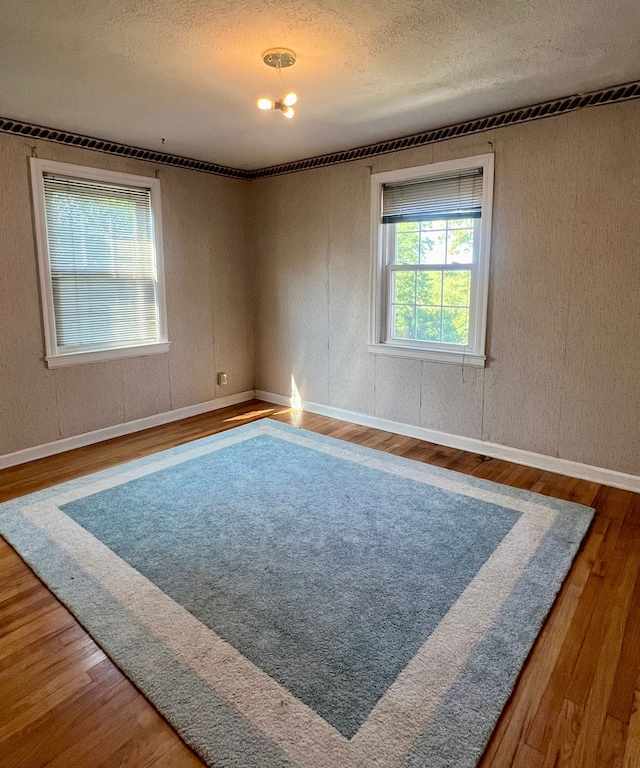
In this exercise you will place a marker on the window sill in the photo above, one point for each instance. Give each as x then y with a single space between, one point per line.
118 353
435 355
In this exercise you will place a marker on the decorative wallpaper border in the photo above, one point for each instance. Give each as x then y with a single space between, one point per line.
611 95
33 131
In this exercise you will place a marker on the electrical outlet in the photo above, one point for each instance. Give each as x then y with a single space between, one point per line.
222 379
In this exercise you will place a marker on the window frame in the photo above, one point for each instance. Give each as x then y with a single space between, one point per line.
55 356
383 245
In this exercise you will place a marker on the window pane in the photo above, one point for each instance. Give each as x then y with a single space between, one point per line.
428 323
407 248
427 225
460 223
96 309
408 226
433 247
457 288
403 323
429 288
460 248
455 326
405 287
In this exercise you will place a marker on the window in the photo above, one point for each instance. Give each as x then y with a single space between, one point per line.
431 229
99 244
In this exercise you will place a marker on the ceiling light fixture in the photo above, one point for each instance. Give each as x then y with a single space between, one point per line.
279 58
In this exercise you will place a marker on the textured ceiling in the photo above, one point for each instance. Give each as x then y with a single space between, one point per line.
190 71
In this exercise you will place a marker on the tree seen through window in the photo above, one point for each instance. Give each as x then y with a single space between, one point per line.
432 304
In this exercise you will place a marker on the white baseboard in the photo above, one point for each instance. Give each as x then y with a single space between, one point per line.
98 435
528 458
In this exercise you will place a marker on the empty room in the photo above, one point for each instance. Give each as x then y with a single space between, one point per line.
319 384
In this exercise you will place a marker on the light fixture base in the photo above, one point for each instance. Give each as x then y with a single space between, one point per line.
279 58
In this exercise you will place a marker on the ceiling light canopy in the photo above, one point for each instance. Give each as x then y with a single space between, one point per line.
279 59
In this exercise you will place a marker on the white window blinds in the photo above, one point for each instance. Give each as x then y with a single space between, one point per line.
102 262
458 196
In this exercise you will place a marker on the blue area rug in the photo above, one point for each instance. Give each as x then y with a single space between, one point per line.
289 599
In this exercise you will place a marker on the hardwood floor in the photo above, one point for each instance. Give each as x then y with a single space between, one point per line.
63 703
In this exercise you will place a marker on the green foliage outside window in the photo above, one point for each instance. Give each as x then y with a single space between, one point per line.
433 304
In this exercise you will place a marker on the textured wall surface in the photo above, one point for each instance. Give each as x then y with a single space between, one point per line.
208 281
563 374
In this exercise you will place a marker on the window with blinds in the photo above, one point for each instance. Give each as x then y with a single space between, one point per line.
458 197
431 260
100 256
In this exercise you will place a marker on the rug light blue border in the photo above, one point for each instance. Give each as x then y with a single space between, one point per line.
456 732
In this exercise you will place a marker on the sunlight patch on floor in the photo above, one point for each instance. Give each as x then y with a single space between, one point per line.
251 415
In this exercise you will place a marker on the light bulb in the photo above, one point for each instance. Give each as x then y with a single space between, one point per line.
290 99
288 112
265 104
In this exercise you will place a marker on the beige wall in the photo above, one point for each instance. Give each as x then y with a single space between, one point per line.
564 311
563 375
209 307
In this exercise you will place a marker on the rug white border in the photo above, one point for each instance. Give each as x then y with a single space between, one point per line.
388 734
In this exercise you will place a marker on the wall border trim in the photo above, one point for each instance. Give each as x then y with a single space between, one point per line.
552 108
44 133
567 467
117 430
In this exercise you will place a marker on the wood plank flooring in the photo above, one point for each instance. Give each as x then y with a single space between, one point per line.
63 704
